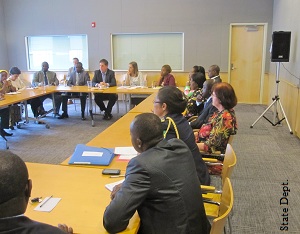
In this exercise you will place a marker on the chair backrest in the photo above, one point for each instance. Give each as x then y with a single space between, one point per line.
229 162
226 205
230 139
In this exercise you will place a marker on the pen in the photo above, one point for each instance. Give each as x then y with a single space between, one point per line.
46 201
116 176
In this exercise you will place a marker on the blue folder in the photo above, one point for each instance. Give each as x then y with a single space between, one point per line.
101 156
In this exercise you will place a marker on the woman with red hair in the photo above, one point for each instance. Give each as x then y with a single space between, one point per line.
214 135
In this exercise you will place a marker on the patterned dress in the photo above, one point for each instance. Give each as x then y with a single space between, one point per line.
192 109
9 87
215 134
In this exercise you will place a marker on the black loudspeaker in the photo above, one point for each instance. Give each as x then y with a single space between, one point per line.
281 46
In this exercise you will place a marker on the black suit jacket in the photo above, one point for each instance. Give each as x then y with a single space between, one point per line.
24 225
110 78
205 115
162 185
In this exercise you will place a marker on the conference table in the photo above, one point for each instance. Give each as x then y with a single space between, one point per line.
82 188
116 135
29 93
83 197
112 90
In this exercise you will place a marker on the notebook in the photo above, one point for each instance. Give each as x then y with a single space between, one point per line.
91 155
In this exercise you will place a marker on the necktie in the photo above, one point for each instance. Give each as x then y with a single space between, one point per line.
74 68
45 78
77 78
104 77
205 104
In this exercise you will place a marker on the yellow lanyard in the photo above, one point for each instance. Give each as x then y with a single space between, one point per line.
171 121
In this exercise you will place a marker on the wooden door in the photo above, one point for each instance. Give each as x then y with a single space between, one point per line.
245 66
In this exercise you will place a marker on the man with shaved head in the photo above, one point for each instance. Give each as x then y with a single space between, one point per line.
161 183
214 73
15 190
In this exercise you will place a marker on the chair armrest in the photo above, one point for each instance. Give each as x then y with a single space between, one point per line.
213 164
207 196
212 202
206 188
211 160
193 118
216 155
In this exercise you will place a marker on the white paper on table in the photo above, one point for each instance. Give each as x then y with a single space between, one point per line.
13 93
49 204
127 156
111 186
125 150
92 154
123 87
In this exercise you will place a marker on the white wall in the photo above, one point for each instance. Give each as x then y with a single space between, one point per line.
286 18
3 47
204 22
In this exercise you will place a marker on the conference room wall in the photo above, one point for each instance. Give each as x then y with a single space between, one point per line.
205 24
285 14
3 47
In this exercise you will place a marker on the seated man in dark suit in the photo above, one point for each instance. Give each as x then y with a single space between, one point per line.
208 109
105 78
15 189
161 183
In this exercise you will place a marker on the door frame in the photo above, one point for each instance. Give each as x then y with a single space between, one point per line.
263 55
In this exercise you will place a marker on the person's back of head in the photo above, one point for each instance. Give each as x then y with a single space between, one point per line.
199 78
146 131
197 68
225 93
15 187
174 99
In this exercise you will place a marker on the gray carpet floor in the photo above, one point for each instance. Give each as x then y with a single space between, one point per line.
35 143
267 156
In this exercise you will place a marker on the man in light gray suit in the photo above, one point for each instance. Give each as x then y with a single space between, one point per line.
46 77
79 77
161 183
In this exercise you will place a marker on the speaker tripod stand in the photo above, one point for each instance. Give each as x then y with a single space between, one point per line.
276 100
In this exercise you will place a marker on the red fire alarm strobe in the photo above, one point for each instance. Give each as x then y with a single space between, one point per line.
93 24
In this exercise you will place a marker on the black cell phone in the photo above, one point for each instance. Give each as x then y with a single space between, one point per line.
111 171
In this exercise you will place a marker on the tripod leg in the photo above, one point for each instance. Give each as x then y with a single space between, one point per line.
263 113
281 107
